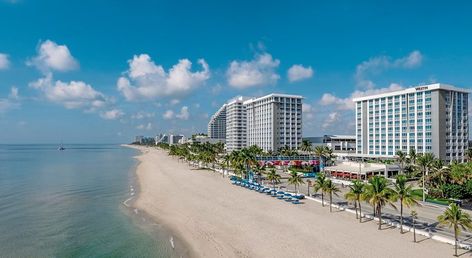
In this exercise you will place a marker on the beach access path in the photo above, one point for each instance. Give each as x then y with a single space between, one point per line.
218 219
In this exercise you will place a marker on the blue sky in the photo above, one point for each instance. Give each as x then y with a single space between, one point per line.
104 71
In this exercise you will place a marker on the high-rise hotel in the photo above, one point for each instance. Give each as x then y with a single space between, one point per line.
429 118
217 124
274 121
235 124
270 122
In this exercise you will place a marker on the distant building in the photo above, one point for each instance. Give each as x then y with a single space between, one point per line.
236 124
174 139
139 139
430 118
217 124
162 138
341 143
204 139
274 121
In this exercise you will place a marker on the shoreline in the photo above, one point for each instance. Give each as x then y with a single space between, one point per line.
174 243
222 220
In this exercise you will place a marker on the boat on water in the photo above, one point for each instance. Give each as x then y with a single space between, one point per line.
61 147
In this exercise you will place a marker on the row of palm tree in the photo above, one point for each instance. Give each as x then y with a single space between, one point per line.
377 192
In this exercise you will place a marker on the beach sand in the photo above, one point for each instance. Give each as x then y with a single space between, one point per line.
217 219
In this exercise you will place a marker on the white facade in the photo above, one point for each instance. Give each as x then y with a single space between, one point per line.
430 118
274 121
217 124
174 139
235 124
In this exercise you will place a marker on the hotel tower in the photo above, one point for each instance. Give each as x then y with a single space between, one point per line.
270 122
430 118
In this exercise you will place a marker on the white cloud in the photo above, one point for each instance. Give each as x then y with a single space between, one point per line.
4 61
146 80
142 115
11 102
169 114
329 99
112 114
378 64
331 120
298 73
13 93
73 94
184 114
257 72
144 127
52 56
308 111
174 101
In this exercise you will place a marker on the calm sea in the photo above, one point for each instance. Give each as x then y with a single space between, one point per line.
70 204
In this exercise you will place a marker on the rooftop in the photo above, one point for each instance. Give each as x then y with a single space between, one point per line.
435 86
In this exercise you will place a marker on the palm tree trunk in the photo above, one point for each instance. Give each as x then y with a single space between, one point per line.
355 208
455 241
424 196
401 216
330 202
414 231
379 210
360 211
322 199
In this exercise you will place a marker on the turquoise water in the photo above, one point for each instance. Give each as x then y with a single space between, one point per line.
69 203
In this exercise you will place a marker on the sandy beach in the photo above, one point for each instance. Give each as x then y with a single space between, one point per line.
217 219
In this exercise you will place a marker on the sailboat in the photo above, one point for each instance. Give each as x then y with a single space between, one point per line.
61 147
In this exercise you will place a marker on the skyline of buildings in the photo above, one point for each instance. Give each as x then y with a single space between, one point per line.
428 118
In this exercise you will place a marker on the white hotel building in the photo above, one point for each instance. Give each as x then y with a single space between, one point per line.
217 124
236 124
270 122
430 118
274 121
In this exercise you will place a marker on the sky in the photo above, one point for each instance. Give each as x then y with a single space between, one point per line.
105 71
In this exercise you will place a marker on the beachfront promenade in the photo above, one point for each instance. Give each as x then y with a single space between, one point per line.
427 213
426 223
218 219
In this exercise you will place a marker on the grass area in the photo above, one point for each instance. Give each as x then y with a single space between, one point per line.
442 201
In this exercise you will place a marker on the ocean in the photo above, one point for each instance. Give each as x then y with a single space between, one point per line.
70 204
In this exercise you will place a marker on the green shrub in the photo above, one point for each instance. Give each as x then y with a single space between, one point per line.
454 191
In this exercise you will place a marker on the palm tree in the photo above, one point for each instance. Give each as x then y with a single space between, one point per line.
414 216
331 188
412 156
295 180
378 194
319 185
319 151
329 156
424 162
401 159
454 217
468 154
404 192
355 195
273 177
306 146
